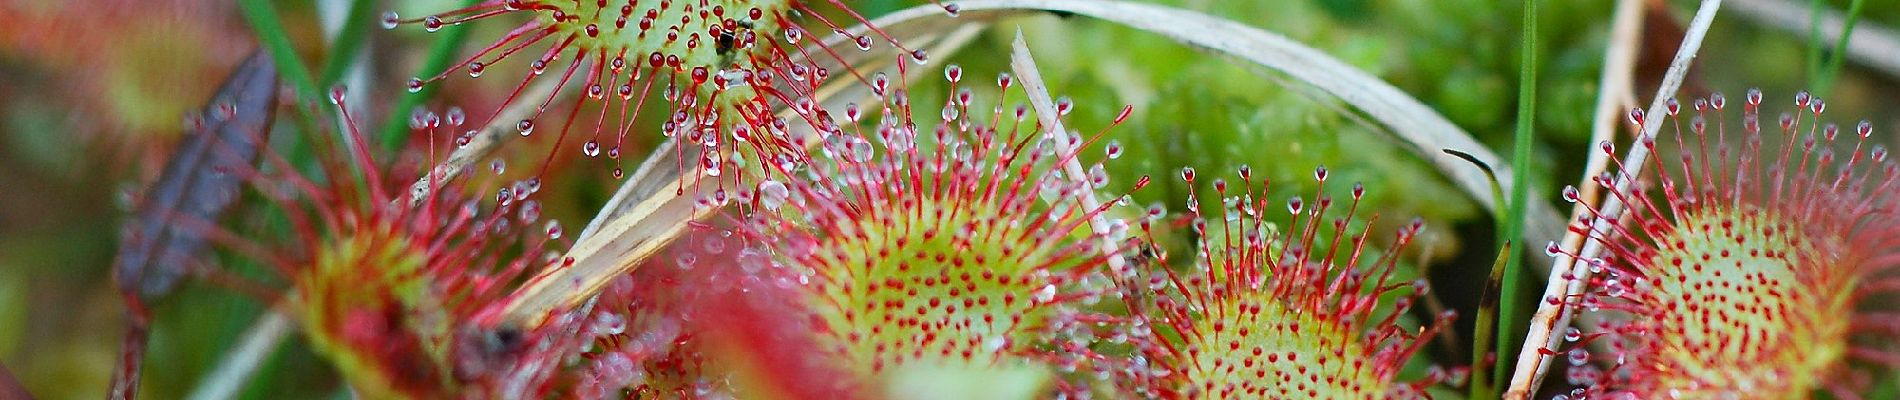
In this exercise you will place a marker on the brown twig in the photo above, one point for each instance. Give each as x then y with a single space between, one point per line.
1569 275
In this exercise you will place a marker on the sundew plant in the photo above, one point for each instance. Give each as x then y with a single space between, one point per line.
949 199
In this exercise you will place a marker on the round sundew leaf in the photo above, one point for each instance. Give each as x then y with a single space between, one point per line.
1749 304
954 246
1304 310
1744 270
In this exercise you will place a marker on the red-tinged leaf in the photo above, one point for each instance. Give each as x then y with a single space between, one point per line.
10 388
760 329
197 182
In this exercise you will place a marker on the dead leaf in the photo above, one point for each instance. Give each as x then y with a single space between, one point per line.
198 182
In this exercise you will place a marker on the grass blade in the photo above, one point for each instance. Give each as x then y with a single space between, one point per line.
1869 45
265 22
264 19
1832 69
1484 328
1814 40
343 50
1484 331
1509 317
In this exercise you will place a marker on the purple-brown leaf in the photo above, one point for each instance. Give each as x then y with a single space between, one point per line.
198 181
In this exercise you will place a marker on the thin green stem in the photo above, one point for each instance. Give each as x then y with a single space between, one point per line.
1814 40
1833 68
264 20
270 31
1487 318
440 56
880 7
1510 317
348 41
1481 385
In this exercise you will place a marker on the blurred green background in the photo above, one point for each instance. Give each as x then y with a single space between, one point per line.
93 94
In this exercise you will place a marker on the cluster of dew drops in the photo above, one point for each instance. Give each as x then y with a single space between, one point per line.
516 193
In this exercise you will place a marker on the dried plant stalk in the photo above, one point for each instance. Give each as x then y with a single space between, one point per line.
499 129
1617 94
243 360
1532 360
1026 72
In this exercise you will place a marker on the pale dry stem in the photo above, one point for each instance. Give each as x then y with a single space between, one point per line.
499 129
1066 146
1539 344
243 360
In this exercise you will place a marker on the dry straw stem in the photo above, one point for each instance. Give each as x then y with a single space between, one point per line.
1618 94
1871 45
1066 146
499 128
243 361
1532 360
647 212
